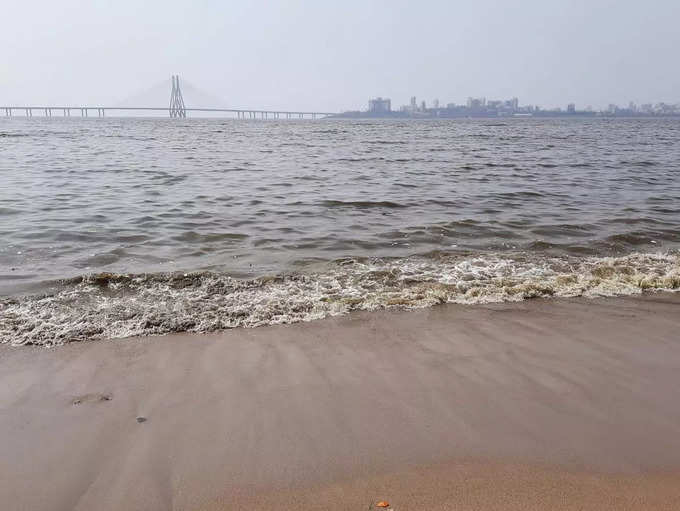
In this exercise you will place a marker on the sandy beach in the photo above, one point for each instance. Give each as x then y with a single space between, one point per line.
542 404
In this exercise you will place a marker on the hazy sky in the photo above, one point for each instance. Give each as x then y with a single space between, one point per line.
325 55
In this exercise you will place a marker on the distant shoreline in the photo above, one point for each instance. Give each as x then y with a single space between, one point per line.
546 115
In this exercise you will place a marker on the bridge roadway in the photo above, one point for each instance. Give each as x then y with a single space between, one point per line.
101 111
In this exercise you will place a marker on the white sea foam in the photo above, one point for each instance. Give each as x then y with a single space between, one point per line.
113 305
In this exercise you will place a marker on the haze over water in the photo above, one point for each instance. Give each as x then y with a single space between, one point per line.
523 199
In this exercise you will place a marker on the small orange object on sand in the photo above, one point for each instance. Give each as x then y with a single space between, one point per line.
382 503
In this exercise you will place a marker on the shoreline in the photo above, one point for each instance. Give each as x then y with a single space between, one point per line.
113 305
559 402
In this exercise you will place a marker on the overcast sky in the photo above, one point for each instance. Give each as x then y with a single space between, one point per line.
334 55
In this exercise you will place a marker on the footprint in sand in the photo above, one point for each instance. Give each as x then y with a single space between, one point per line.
91 398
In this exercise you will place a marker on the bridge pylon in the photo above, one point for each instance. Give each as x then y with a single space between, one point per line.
177 108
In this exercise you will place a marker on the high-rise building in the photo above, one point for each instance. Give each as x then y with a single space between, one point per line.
414 104
379 105
476 103
511 104
571 108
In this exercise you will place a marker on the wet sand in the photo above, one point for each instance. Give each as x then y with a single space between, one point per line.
545 404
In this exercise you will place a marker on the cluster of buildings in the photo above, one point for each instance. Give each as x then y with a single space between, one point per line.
646 109
481 107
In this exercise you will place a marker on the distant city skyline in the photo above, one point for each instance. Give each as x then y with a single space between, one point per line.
512 105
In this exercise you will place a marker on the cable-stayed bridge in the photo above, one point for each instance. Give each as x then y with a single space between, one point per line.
176 109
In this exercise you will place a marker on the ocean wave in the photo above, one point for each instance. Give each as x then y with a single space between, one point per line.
362 204
106 305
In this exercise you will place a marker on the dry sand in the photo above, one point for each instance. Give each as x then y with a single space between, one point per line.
547 404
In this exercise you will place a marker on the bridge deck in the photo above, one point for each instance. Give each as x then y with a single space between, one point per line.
165 109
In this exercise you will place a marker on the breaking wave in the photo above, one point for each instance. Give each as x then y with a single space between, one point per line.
105 305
